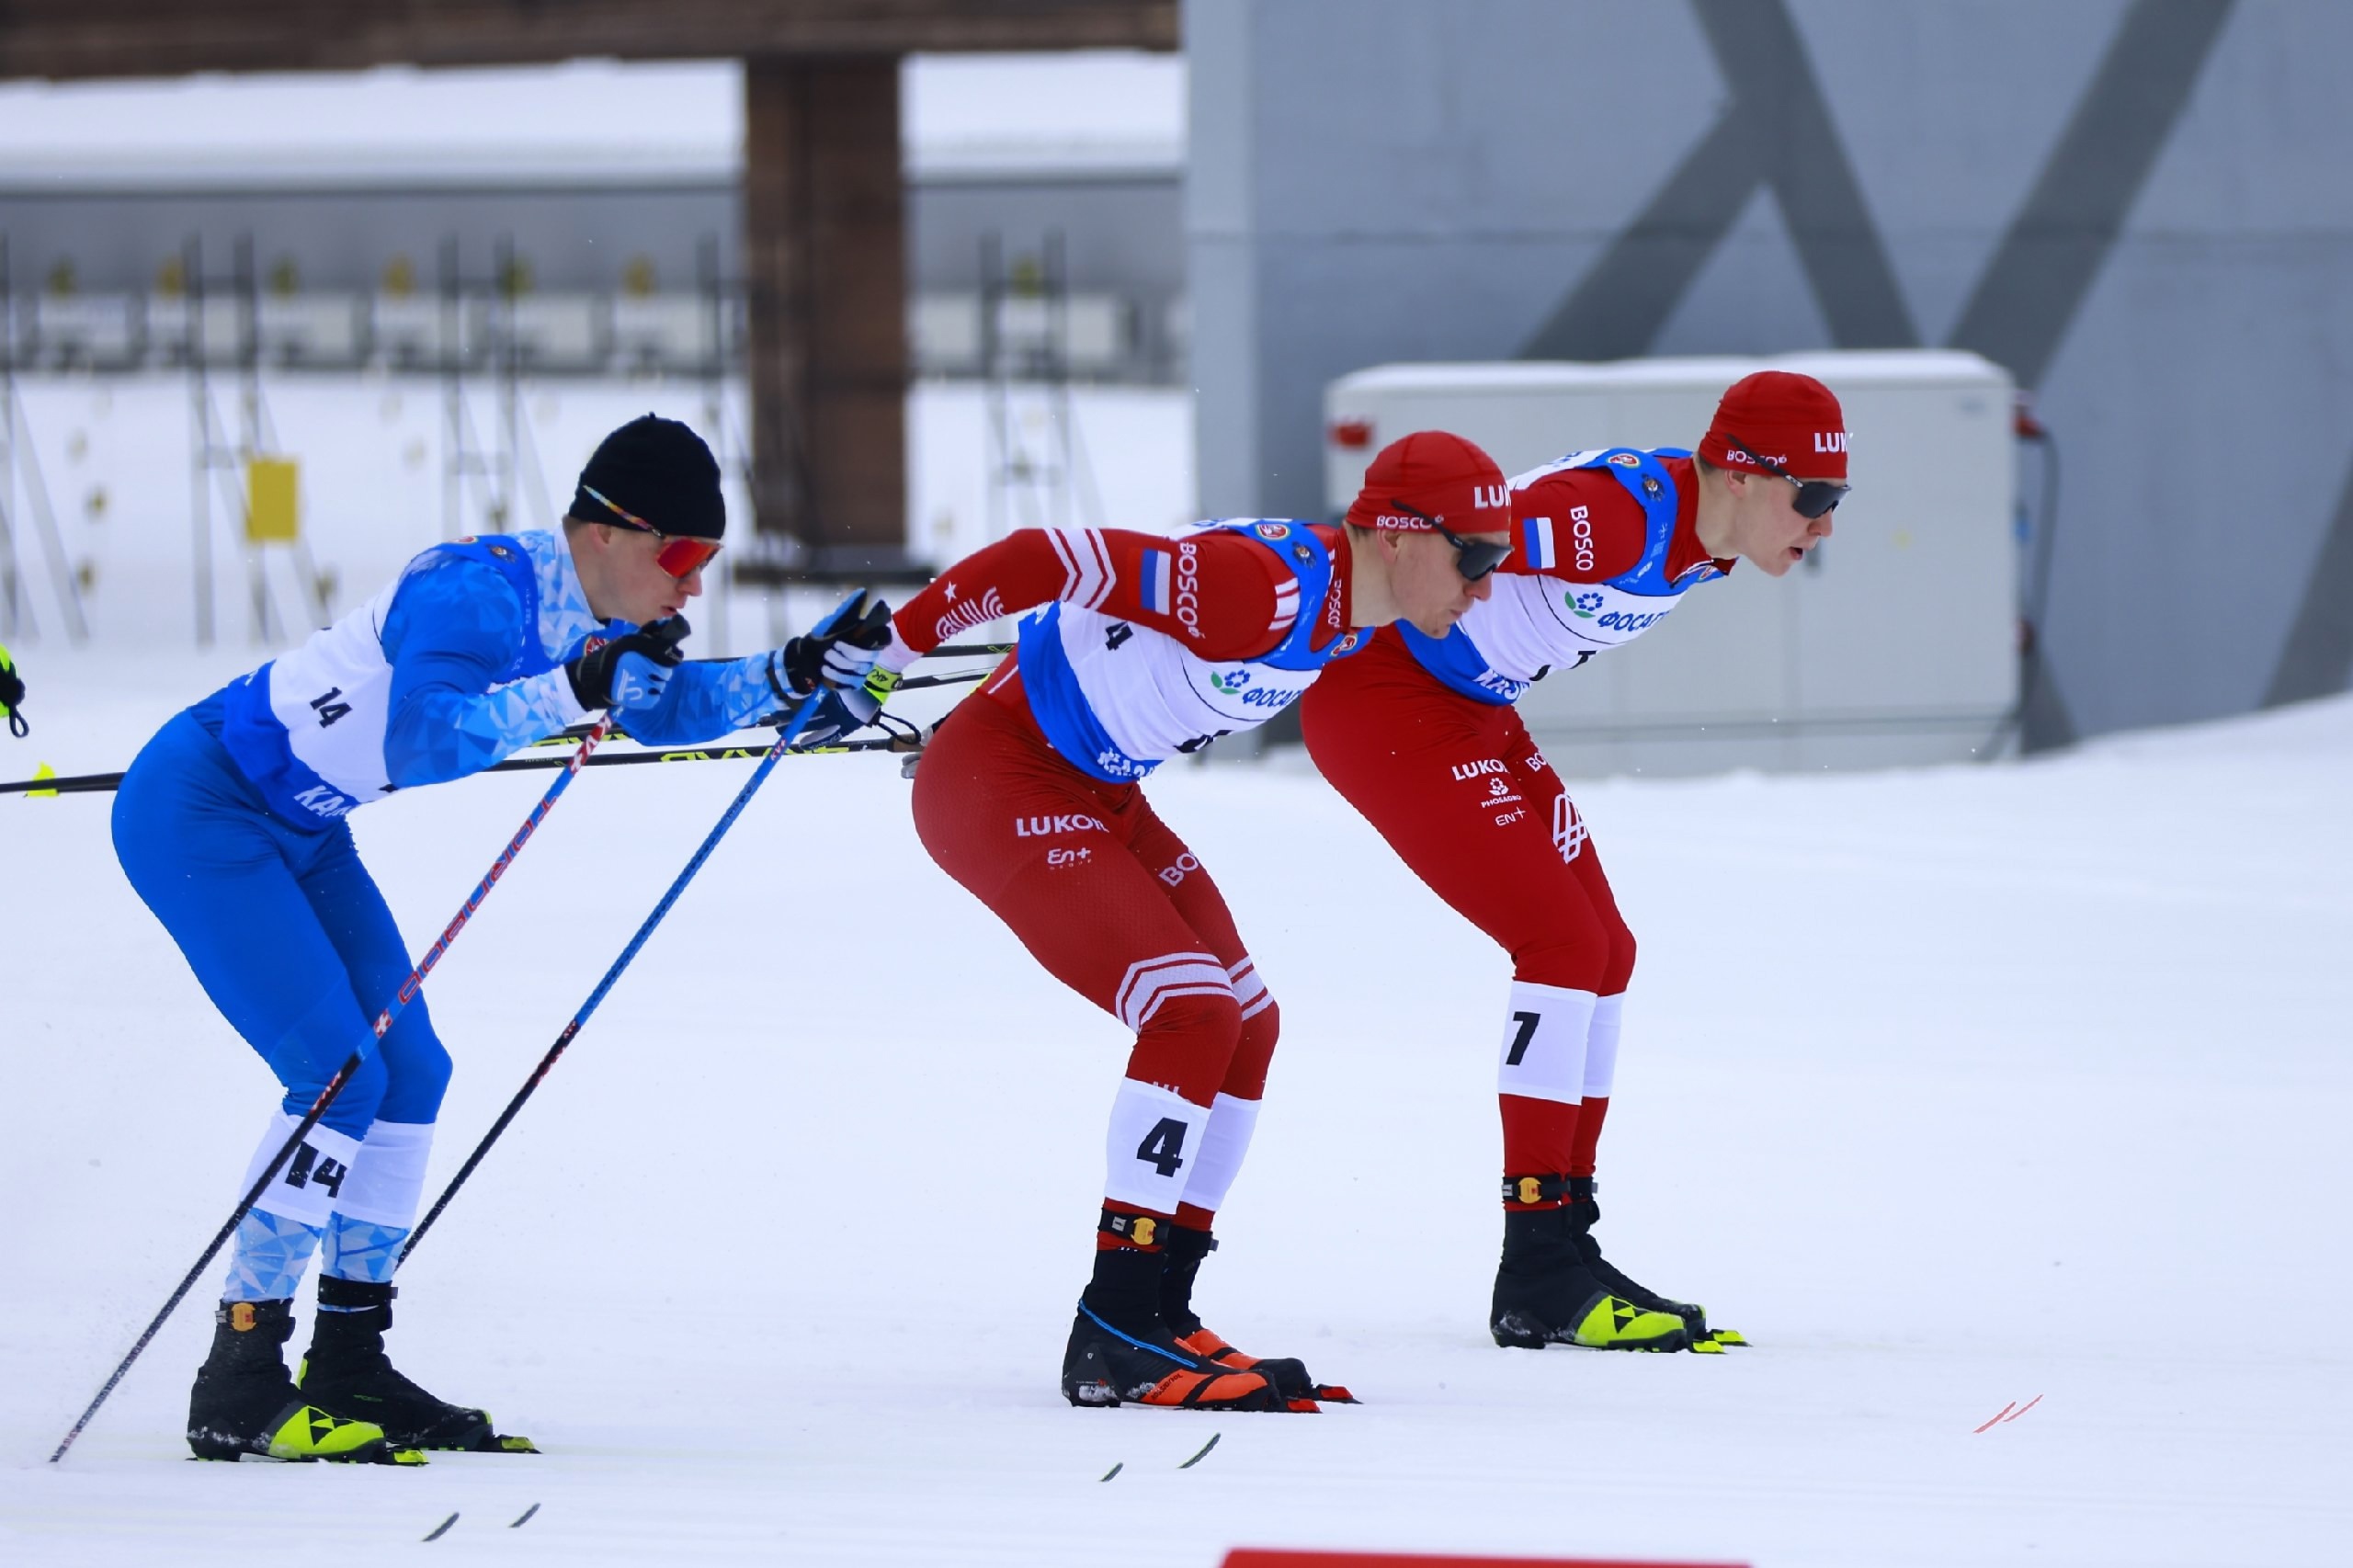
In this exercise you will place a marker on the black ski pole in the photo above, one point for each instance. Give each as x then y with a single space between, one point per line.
547 1064
401 999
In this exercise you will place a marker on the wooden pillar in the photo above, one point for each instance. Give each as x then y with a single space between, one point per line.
825 261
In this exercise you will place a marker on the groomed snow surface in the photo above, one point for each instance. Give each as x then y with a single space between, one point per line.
1952 1089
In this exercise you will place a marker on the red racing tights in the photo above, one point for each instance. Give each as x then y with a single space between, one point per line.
1115 907
1462 793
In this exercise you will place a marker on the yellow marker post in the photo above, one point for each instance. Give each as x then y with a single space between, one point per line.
273 488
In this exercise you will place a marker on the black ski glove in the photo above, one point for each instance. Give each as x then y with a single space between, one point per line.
12 696
629 672
836 660
837 652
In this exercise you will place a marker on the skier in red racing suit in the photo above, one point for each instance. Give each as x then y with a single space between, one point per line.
1421 735
1029 795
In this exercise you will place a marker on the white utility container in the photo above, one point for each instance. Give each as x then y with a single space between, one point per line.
1895 642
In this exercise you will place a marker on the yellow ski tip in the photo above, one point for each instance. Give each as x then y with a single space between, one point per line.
43 771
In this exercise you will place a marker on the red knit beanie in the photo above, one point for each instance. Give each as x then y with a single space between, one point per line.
1442 477
1790 421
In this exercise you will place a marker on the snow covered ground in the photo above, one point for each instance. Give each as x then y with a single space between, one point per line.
1951 1088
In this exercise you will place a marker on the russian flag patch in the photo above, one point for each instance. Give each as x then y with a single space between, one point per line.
1154 587
1536 541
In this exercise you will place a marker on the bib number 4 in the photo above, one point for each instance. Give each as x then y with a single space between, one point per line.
1163 1147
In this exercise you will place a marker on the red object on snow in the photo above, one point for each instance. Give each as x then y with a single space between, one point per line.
1267 1557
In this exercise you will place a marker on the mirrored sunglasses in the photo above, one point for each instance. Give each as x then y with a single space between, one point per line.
676 554
1816 497
1473 558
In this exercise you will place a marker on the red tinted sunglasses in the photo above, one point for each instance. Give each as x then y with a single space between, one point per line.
679 556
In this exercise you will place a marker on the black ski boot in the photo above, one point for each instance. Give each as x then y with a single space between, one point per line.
347 1372
1121 1353
1185 1249
1546 1295
245 1403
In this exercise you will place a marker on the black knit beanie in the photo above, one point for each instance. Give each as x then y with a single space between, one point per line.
656 471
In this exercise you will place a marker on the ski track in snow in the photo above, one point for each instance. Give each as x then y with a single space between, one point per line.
1951 1088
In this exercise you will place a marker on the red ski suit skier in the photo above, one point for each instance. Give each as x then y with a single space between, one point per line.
1101 891
1028 796
1421 734
1464 796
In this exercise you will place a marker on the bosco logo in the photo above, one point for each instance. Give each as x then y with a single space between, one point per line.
1189 588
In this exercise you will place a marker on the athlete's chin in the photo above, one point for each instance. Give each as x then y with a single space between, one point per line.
1437 625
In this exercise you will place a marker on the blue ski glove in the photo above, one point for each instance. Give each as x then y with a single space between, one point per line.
12 696
629 671
836 659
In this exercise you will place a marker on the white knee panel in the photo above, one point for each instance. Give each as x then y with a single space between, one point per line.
1154 1145
305 1187
1223 1143
1544 1051
387 1180
1601 1046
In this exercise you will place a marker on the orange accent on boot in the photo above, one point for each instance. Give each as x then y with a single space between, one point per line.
1213 1390
1193 1217
1201 1342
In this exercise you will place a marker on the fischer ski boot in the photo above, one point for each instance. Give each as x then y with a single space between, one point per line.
1185 1249
1545 1294
243 1404
347 1372
1584 1213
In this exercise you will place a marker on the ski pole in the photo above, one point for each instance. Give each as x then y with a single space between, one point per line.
547 1064
402 998
99 783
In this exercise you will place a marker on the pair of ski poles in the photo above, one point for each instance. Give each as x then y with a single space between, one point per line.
408 990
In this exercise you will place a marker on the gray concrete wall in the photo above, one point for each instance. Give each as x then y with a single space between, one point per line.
2138 207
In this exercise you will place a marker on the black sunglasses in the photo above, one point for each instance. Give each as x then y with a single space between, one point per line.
1473 558
1816 497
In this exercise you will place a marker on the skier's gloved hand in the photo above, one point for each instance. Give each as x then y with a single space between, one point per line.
629 672
12 696
836 658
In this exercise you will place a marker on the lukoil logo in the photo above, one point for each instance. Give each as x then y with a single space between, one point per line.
1473 769
1490 495
1046 827
1830 440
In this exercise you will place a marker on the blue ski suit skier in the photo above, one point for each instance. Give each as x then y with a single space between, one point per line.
232 825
